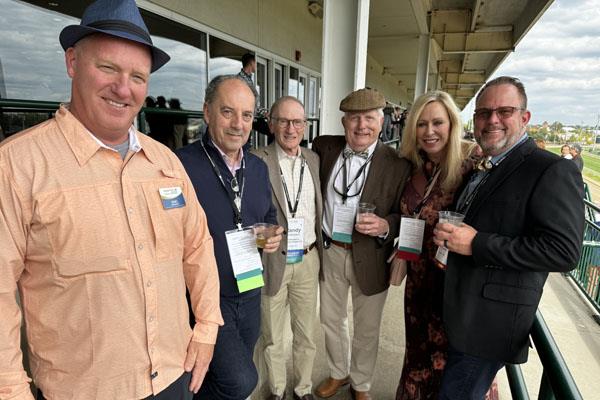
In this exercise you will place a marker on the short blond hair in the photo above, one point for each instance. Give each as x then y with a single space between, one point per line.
456 149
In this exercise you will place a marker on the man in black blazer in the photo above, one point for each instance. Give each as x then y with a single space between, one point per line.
524 217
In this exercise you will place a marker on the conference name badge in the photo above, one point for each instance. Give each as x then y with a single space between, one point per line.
245 259
295 240
343 222
410 241
171 197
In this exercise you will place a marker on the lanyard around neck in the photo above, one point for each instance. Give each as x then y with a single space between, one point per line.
293 209
428 189
236 197
345 185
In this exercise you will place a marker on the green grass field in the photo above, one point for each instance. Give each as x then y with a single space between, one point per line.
591 163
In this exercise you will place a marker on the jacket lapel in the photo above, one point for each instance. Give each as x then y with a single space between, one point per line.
333 151
500 173
375 169
274 175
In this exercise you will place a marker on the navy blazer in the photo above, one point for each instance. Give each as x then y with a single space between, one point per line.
256 201
529 217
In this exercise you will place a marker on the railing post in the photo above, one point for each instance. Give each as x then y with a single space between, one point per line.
516 382
546 392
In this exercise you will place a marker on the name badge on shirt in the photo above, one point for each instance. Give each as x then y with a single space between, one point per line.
245 259
295 240
343 222
171 197
410 241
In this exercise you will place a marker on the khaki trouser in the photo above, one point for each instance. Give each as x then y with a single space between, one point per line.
339 277
299 290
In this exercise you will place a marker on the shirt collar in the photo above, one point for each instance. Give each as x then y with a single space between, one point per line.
244 73
84 146
370 149
281 154
499 157
134 143
236 163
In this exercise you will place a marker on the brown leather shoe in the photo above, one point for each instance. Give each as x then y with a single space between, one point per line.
330 386
356 395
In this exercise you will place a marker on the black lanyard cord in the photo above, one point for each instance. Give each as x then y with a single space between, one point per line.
236 197
346 187
293 209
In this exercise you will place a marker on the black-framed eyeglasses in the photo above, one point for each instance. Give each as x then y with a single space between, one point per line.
284 122
502 112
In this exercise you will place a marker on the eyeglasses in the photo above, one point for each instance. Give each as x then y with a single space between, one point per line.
502 112
283 123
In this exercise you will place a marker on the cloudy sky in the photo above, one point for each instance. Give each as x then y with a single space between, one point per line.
559 63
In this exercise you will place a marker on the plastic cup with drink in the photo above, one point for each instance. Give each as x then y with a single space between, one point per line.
263 231
446 217
364 209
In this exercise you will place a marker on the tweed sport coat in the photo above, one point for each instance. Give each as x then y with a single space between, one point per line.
385 182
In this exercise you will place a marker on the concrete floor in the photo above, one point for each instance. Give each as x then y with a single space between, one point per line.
567 315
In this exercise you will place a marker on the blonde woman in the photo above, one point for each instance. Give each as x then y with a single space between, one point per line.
433 142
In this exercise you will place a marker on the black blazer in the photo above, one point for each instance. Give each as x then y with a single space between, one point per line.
529 216
384 185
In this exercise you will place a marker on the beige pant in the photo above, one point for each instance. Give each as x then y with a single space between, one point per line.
299 290
339 277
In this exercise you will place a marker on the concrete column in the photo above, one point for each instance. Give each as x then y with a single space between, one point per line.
345 39
422 65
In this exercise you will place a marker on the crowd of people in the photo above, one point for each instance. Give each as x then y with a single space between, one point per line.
138 271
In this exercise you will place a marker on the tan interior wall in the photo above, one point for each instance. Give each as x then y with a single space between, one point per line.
385 83
278 26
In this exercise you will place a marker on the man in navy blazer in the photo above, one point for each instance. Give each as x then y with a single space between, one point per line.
233 188
524 218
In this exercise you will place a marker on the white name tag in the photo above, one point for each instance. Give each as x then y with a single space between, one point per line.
245 259
441 256
343 222
295 240
410 241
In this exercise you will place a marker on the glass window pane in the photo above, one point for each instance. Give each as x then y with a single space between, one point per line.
31 58
261 83
293 82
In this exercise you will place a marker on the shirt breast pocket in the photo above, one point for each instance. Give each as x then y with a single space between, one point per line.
167 219
86 230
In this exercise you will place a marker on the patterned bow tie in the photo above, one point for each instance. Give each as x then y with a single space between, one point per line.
485 164
362 154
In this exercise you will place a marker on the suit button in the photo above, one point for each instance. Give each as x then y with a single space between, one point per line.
283 252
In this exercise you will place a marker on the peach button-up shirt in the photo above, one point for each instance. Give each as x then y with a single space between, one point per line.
100 264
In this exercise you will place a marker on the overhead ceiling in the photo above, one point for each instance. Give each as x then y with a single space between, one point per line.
470 39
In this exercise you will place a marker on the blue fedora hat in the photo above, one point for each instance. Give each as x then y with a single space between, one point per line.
119 18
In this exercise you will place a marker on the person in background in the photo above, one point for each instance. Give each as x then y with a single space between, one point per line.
292 275
523 219
565 152
101 232
233 187
441 159
576 156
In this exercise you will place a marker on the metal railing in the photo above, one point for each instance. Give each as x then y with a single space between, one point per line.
587 273
557 382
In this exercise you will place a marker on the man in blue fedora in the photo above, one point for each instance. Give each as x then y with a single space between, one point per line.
101 233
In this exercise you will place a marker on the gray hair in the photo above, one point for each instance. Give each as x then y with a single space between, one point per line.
216 82
506 80
282 100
